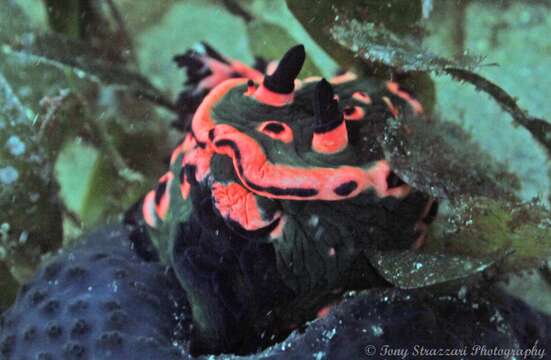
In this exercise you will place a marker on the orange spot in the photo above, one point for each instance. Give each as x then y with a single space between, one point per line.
148 209
258 174
235 202
357 113
346 77
271 98
276 130
394 88
332 141
362 97
393 109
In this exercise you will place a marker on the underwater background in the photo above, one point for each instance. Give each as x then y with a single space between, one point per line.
87 105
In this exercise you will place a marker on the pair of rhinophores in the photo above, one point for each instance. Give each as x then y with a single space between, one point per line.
277 195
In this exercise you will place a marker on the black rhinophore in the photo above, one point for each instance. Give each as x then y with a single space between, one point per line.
282 81
326 108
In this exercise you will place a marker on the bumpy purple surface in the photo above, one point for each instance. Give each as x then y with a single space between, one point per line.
99 300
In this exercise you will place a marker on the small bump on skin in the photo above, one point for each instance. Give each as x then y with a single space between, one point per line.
54 331
111 339
80 327
29 334
74 350
78 306
117 319
111 305
6 347
98 256
37 297
120 274
51 271
76 272
45 356
51 307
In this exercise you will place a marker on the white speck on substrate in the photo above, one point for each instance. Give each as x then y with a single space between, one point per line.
332 252
418 266
328 334
319 355
462 293
90 288
8 175
377 330
23 237
15 146
313 220
114 286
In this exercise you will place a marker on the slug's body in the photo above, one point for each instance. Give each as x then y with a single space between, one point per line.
276 195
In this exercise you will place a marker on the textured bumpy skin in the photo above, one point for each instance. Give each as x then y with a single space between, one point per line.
99 300
383 324
276 195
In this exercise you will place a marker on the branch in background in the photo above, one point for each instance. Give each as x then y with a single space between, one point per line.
236 9
539 128
122 30
86 62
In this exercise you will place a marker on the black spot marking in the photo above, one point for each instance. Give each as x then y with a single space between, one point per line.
274 127
346 188
159 192
349 110
190 171
182 176
211 134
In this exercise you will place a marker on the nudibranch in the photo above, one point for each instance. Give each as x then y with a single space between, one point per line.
277 193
